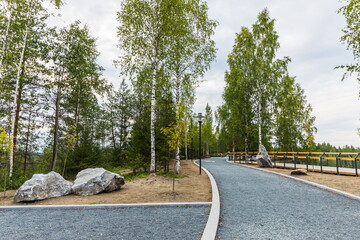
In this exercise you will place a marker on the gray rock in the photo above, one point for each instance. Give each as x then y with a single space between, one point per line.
43 186
299 172
263 158
92 181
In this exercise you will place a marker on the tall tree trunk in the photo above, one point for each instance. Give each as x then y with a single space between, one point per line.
26 154
246 138
77 119
260 120
177 102
186 145
17 115
4 45
191 140
77 113
15 104
113 132
152 123
56 129
207 148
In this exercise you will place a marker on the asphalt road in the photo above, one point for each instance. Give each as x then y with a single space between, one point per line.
260 205
134 223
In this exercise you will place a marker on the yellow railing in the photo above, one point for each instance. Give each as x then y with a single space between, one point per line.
282 160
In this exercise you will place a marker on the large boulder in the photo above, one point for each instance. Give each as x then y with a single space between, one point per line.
263 158
43 186
92 181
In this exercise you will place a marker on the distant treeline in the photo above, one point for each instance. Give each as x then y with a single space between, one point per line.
327 147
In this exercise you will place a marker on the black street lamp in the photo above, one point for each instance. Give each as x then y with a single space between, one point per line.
199 116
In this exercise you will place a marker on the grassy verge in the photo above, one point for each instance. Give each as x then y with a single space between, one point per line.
132 176
170 175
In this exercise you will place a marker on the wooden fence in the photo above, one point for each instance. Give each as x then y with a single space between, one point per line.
345 163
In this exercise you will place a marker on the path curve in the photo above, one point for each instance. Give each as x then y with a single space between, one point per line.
261 205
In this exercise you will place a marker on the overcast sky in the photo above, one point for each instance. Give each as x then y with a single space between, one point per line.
309 33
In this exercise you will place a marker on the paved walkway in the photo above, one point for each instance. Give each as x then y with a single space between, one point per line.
131 223
317 168
260 205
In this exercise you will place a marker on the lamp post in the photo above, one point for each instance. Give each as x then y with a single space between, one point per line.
199 116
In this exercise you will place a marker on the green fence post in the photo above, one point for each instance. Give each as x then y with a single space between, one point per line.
294 158
307 161
337 163
356 169
285 154
321 162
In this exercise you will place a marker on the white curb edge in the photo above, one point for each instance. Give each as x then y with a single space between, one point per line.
213 220
125 205
329 189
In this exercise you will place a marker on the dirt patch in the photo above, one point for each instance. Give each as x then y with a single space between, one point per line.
153 189
349 184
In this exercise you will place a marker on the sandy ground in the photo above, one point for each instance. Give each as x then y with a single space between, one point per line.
153 189
350 184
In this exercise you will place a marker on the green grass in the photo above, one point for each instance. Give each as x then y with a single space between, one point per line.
170 175
132 176
119 170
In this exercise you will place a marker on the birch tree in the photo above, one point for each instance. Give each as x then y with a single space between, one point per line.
264 77
151 39
191 55
25 30
144 38
237 114
259 92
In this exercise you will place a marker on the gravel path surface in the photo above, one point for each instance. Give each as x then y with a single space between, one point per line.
260 205
133 223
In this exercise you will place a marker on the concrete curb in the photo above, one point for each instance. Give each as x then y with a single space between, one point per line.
213 220
97 206
329 189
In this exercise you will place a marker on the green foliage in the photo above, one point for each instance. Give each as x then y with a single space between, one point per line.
351 36
5 142
167 47
208 136
327 147
294 125
262 103
170 175
132 176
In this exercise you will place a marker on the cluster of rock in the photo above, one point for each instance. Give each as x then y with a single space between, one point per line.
90 181
263 158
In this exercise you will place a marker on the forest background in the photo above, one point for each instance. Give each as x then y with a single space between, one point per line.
59 113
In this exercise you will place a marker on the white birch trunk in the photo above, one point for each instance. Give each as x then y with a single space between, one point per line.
5 44
177 102
186 146
177 159
152 125
260 120
13 112
207 148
